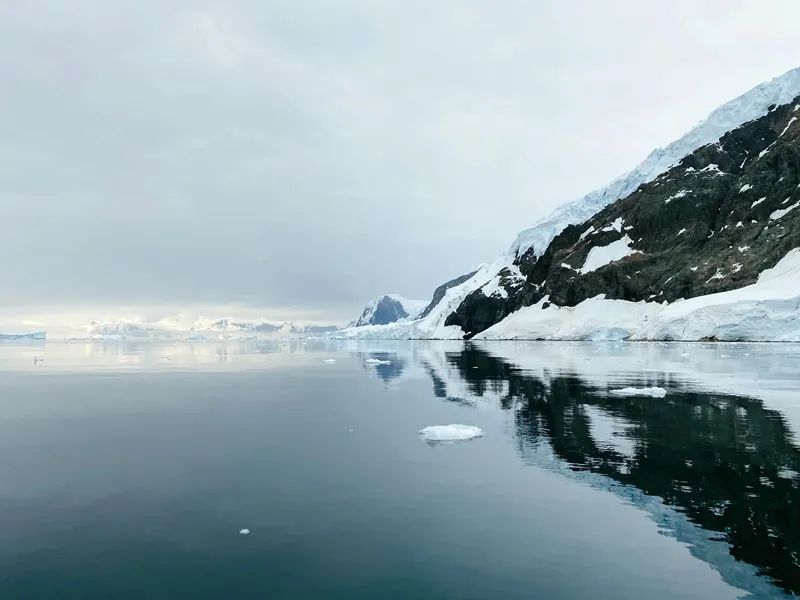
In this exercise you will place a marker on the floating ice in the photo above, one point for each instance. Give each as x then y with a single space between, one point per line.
450 433
377 361
655 392
244 531
330 361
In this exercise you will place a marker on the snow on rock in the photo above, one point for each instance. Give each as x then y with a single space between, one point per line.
780 213
766 310
653 392
600 256
676 195
747 107
450 433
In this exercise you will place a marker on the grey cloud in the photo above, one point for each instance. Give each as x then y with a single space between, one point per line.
315 154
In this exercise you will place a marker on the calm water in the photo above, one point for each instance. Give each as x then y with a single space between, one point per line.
127 471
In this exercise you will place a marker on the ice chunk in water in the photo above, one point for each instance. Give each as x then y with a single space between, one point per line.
244 531
654 392
450 433
377 361
330 361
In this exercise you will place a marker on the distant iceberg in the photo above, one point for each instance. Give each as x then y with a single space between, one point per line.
450 433
36 335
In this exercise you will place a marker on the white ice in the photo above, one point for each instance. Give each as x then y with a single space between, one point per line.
450 433
653 392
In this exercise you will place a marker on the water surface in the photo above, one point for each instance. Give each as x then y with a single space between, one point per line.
127 471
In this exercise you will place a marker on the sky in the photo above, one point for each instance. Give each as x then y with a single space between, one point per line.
294 159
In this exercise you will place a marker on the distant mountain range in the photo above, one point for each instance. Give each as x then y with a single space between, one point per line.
701 241
181 328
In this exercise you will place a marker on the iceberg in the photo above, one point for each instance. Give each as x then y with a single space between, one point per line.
36 335
450 433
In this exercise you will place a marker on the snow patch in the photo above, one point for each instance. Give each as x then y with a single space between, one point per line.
780 213
600 256
677 195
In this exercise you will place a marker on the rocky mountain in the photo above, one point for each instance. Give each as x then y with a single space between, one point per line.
700 241
389 308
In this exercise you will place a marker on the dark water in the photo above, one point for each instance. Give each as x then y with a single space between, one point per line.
127 472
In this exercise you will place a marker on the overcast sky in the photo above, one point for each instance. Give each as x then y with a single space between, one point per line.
301 157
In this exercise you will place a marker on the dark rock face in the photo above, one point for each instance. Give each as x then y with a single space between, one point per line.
479 311
712 223
440 291
383 311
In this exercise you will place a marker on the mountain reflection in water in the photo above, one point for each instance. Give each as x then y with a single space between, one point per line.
727 463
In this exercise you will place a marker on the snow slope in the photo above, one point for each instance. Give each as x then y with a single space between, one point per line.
766 310
727 117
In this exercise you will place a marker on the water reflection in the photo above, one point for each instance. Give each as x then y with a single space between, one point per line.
726 462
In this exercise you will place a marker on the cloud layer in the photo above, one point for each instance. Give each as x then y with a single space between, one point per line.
314 154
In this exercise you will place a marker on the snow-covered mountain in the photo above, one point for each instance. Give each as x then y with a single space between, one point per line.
729 116
660 251
390 308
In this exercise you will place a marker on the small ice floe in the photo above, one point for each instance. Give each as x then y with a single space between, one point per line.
244 531
330 361
685 355
654 392
450 433
377 361
785 473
